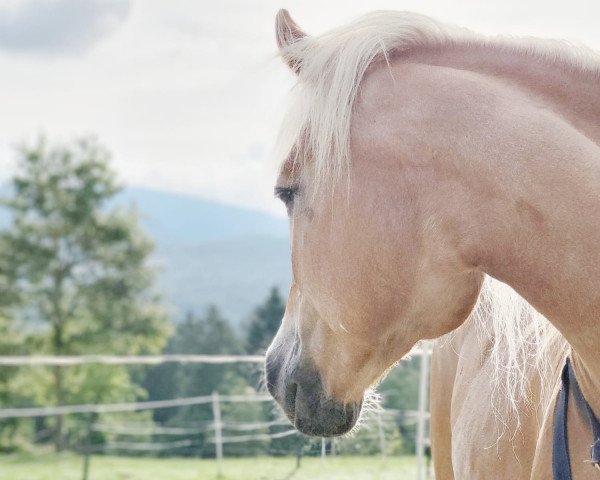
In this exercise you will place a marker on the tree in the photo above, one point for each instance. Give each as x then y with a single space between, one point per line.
400 391
210 334
76 271
10 344
196 334
265 322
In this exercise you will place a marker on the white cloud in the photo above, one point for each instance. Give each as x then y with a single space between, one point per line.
58 26
188 95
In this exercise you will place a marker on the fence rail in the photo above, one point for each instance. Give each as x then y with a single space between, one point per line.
69 360
72 360
249 438
141 430
125 407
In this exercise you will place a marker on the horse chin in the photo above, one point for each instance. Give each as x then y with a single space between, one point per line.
316 415
306 404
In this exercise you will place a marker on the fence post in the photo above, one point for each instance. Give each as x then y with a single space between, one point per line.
323 453
87 448
421 418
381 435
216 407
299 450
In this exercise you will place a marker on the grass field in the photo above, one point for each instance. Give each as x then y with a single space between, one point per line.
69 467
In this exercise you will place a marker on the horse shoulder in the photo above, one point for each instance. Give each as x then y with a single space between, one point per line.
470 437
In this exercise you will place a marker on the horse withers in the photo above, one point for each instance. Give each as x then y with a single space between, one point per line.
420 160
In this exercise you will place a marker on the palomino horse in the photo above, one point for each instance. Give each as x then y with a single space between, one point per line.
421 160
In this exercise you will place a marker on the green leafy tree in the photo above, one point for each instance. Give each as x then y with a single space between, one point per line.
76 271
10 344
400 392
264 322
209 334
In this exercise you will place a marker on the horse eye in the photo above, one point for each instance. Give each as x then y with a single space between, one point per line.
286 195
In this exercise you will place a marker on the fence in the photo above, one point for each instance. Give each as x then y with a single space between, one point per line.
244 431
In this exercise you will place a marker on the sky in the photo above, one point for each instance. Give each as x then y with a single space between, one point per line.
188 94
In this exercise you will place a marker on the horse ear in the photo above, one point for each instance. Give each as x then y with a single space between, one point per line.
286 33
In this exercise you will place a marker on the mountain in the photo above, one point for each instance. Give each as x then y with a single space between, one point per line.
183 219
236 275
211 253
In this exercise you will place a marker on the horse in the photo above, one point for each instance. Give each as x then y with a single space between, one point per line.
424 168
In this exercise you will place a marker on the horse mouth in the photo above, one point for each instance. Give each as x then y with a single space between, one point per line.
307 406
330 419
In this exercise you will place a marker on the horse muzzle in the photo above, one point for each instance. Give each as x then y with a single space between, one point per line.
299 391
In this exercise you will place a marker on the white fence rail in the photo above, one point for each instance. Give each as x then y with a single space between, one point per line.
124 407
70 360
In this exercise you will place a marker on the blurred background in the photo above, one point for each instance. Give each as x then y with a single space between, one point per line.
137 222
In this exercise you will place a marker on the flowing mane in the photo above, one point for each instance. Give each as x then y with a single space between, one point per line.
330 69
519 339
332 65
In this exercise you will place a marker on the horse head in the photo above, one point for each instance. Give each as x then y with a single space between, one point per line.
376 265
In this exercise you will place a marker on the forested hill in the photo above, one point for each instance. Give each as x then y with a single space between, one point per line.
208 252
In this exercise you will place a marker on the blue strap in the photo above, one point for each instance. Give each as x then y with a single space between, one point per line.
561 463
588 416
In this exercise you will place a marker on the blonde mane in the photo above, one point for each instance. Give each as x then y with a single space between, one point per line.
331 67
520 340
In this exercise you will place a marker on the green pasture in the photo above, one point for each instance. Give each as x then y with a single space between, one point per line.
69 467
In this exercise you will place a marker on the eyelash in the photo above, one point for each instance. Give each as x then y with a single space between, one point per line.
286 195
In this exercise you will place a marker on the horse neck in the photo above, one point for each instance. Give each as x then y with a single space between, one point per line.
565 86
541 233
